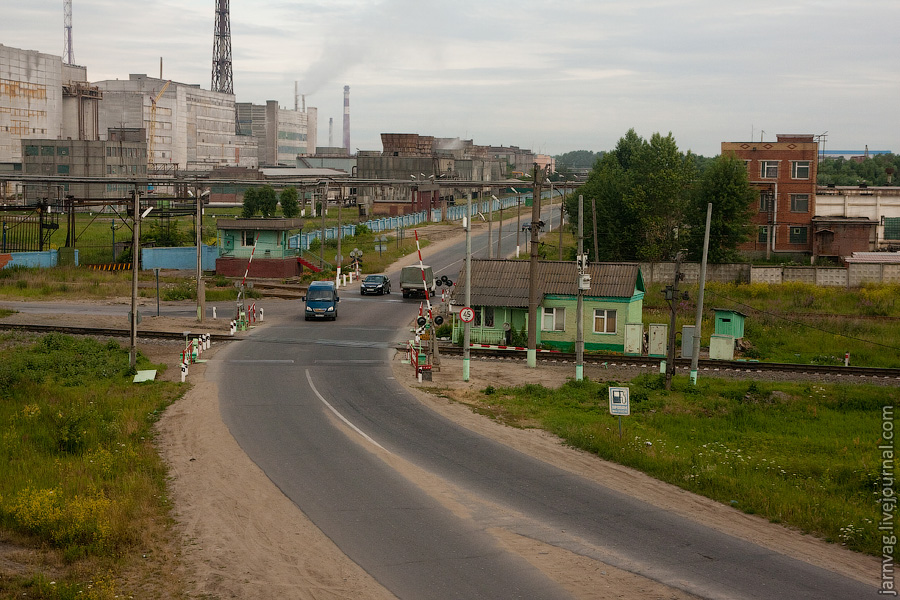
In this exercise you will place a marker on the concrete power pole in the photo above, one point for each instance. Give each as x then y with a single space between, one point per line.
671 293
534 297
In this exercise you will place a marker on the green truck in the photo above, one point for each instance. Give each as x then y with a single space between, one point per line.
412 283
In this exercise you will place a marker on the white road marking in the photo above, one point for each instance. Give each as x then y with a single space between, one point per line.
340 416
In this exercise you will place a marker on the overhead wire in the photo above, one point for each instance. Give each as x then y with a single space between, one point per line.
801 323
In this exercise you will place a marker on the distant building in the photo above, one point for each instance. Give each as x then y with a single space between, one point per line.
192 129
82 158
874 209
41 98
784 173
281 134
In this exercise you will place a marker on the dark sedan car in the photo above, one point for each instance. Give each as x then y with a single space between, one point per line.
375 284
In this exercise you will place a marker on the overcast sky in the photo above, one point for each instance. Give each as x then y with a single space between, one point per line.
552 76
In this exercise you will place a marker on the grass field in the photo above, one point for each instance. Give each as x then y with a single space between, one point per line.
79 474
805 455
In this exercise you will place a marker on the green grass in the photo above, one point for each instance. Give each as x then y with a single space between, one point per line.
79 474
800 454
798 323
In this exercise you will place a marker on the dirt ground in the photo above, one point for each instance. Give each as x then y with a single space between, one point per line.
237 535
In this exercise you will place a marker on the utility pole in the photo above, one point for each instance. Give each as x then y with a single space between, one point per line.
135 259
562 206
671 293
581 261
499 229
695 355
201 291
323 205
467 327
594 211
490 208
533 291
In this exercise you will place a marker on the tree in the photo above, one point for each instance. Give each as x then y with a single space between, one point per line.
251 203
641 190
726 185
267 201
290 206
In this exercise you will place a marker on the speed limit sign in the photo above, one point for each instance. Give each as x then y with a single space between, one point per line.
466 314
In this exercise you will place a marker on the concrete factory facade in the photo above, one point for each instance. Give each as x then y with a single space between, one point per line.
183 127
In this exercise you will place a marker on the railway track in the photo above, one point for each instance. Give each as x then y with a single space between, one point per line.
614 360
611 360
109 332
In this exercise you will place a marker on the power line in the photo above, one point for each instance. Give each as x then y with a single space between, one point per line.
801 323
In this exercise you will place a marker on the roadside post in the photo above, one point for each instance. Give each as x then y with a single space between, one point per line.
619 404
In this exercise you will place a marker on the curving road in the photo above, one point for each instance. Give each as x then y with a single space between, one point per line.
415 499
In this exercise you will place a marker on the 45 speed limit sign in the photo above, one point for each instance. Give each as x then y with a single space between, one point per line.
466 314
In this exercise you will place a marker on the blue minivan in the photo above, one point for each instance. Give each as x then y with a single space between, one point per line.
321 300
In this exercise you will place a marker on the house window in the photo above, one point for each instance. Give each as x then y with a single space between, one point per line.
62 169
892 228
488 316
764 198
554 319
47 151
768 169
763 235
604 321
798 235
800 203
800 169
31 150
249 238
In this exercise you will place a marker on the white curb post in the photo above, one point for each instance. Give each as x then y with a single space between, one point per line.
214 313
184 370
260 314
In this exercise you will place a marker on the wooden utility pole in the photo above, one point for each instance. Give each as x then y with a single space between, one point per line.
671 293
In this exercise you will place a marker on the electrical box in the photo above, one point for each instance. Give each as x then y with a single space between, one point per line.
658 339
687 341
584 282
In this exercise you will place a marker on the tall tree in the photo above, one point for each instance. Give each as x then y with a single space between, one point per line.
251 203
267 201
641 190
290 206
726 185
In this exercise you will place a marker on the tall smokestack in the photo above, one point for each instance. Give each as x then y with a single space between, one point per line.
330 132
347 118
296 97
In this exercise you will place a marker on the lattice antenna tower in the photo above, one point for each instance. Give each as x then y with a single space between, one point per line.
222 80
68 51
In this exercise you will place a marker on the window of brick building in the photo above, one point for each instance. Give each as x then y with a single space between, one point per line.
763 235
800 203
768 169
798 235
800 169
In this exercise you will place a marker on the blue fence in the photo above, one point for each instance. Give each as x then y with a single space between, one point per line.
454 213
183 258
47 258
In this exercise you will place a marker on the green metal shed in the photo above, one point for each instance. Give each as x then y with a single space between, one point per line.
729 322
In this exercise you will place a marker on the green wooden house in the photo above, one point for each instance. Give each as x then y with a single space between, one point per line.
271 258
500 301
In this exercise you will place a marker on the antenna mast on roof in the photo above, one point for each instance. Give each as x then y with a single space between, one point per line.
222 80
68 51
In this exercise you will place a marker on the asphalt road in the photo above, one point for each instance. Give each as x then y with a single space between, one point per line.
411 497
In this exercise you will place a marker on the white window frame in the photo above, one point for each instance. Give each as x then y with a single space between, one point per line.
605 315
765 165
555 317
794 199
796 166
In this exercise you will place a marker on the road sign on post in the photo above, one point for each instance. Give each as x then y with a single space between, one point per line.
467 315
619 404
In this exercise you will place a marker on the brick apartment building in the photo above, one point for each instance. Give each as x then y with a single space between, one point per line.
784 172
